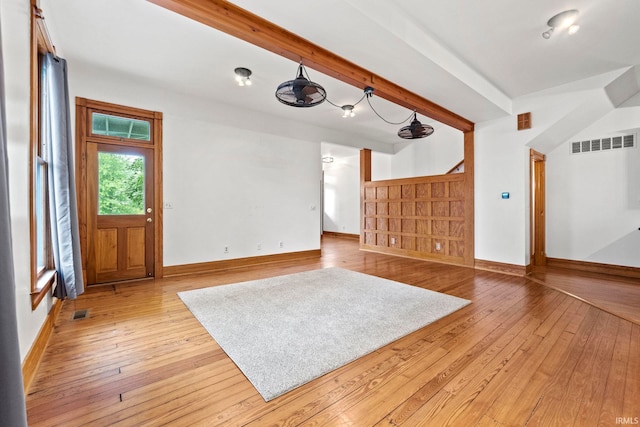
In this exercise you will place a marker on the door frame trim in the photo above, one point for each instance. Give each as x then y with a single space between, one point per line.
538 255
83 137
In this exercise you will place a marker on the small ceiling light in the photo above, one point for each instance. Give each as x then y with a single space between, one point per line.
565 19
301 92
415 130
347 111
327 159
242 76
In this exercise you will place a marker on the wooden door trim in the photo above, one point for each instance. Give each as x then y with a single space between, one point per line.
83 137
537 208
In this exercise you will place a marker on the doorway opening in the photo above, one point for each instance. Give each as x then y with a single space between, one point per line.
538 194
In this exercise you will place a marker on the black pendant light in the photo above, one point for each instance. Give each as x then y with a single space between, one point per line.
301 92
415 130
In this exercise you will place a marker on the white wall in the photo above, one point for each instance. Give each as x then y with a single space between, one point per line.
228 185
342 191
584 217
593 199
15 46
434 155
342 185
240 189
501 165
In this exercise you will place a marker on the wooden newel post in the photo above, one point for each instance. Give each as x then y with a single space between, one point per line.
365 176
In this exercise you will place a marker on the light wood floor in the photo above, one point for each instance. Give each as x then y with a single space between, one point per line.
521 354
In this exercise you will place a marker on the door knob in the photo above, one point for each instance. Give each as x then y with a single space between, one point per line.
149 210
149 219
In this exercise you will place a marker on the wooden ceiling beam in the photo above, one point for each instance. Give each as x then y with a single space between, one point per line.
240 23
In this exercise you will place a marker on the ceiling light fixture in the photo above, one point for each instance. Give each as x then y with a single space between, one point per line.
242 76
565 19
347 111
301 92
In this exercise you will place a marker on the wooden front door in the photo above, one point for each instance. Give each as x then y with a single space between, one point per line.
119 182
119 212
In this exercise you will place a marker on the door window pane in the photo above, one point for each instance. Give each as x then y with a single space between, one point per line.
120 184
120 127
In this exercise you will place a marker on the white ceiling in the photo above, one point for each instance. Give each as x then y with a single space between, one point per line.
472 58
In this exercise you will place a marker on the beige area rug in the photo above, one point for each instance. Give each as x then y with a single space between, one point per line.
285 331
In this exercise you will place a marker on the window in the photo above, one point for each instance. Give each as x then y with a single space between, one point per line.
41 203
42 267
120 127
120 184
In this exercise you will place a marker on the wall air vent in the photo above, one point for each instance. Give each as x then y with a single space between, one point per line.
586 146
575 147
604 144
628 141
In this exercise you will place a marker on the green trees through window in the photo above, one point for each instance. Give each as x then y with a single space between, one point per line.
120 184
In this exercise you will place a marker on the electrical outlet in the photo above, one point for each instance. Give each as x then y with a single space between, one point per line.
281 244
393 240
259 246
226 249
168 205
438 246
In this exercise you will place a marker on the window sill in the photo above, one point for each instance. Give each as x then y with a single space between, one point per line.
43 285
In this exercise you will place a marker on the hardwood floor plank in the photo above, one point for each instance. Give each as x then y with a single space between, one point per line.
613 294
612 405
463 389
546 411
519 395
467 348
522 352
566 412
631 407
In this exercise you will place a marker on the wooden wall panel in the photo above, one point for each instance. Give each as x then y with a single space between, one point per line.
429 217
422 217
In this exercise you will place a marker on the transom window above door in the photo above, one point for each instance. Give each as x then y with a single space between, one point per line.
120 127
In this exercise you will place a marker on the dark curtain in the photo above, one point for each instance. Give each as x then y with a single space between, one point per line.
12 405
56 132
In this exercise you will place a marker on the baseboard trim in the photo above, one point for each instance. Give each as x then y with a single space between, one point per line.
33 358
341 235
500 267
594 267
206 267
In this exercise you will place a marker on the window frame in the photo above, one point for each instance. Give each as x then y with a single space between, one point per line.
42 277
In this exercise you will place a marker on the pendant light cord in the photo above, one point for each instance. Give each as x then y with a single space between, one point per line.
383 119
368 93
340 106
